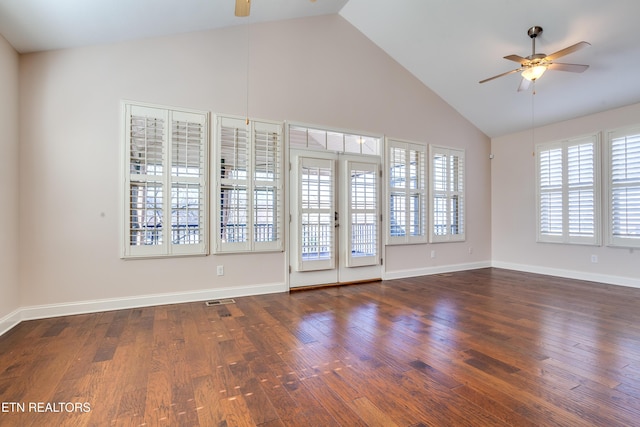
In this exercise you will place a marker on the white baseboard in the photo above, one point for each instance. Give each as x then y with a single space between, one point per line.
94 306
9 321
570 274
403 274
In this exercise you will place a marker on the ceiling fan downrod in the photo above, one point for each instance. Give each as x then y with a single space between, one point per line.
534 32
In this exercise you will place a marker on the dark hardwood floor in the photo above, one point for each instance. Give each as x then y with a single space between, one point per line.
487 347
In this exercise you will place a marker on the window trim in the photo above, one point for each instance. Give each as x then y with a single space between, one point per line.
611 240
566 237
167 249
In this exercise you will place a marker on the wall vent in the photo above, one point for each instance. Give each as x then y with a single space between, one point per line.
220 302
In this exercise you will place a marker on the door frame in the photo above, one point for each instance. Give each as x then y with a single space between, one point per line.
344 273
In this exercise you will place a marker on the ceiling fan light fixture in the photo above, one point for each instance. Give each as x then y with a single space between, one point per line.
534 73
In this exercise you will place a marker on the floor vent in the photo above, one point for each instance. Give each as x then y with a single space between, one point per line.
220 302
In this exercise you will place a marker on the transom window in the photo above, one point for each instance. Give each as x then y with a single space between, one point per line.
303 137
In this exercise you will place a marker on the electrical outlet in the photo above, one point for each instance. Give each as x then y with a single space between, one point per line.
594 259
470 250
220 270
433 254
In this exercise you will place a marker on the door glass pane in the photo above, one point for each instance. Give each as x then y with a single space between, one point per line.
364 222
316 202
363 234
317 237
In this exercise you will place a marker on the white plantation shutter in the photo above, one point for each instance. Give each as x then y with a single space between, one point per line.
568 191
232 161
581 190
267 186
248 163
623 148
406 192
165 181
550 199
146 158
188 182
447 196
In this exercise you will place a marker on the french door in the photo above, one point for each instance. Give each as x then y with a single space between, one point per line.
335 218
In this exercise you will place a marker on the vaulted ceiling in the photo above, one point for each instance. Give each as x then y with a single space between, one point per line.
449 45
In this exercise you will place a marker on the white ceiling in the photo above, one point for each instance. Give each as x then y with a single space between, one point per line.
448 45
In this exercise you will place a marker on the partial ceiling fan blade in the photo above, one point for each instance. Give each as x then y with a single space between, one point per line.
574 68
566 51
503 74
243 7
524 85
516 58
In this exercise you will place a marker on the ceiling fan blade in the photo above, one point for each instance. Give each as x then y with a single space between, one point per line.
516 58
566 51
574 68
243 7
503 74
524 85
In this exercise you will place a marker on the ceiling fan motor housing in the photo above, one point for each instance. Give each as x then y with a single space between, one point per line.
534 31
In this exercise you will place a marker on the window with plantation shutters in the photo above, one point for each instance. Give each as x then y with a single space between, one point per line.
447 212
623 149
406 192
248 167
568 191
165 181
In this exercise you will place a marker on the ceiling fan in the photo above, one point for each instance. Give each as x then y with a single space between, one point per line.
534 65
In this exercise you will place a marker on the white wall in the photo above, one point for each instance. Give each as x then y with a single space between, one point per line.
514 212
317 70
9 243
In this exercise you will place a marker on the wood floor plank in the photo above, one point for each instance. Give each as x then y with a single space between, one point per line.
371 415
